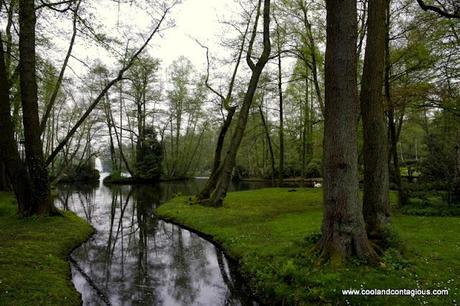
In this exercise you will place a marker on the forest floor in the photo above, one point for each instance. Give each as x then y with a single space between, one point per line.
33 256
271 232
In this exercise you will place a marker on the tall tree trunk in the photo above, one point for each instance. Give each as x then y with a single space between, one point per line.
9 154
376 207
228 164
281 131
280 97
343 229
220 191
112 148
120 142
226 101
38 173
212 181
140 133
120 146
402 196
313 50
305 126
270 147
57 86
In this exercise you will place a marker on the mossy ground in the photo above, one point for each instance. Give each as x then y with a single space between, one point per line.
33 256
269 231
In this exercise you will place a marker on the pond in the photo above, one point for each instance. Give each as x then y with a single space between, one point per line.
136 259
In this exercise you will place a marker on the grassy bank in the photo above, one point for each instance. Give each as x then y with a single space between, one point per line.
33 256
270 231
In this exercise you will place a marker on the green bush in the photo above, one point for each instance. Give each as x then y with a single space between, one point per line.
80 174
149 156
313 169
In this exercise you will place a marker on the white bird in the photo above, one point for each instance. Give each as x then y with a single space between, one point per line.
316 185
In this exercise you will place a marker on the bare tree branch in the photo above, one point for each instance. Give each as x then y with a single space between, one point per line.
108 86
253 38
439 11
52 101
52 5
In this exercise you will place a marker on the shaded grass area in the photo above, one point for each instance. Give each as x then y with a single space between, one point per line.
430 204
270 233
33 256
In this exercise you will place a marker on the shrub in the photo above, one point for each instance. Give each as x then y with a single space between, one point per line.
313 169
84 174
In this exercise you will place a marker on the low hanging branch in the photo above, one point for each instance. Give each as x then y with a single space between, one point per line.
440 11
107 88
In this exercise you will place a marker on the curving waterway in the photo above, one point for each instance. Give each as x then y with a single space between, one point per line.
136 259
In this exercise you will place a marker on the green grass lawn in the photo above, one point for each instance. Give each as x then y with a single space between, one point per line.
270 233
33 256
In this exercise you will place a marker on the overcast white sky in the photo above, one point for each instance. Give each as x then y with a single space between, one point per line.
200 19
193 19
197 19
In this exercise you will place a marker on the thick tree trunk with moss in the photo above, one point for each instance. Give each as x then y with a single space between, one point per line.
38 173
343 229
9 154
376 208
220 191
215 172
226 101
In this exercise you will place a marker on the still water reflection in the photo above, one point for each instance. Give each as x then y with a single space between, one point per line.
136 259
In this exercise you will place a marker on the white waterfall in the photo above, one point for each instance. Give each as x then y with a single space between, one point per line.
98 164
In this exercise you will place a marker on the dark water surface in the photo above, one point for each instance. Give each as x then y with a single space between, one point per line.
137 259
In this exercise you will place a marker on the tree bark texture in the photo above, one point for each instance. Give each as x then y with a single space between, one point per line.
343 229
376 207
9 154
225 173
226 101
212 181
38 173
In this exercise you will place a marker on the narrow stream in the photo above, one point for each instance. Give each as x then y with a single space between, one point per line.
137 259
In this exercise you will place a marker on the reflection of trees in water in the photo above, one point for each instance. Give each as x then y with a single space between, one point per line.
188 187
136 259
199 259
63 198
183 289
145 201
235 294
83 194
114 235
86 197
